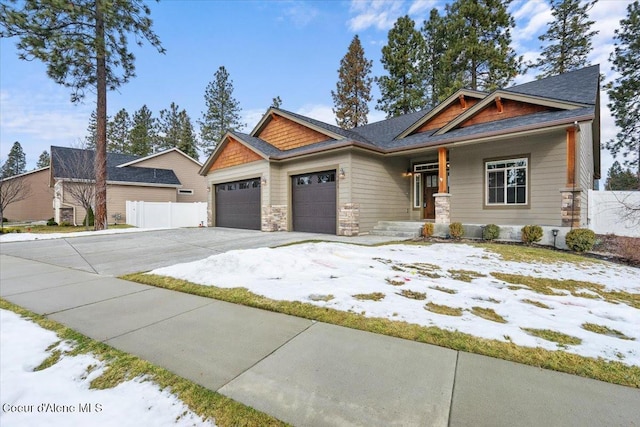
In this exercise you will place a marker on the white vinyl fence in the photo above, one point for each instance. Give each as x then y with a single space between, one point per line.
609 212
166 214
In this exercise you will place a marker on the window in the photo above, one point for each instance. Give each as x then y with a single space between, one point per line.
326 177
417 190
506 182
182 191
303 180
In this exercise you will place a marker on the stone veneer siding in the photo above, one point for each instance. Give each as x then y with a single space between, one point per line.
570 209
349 219
443 208
274 218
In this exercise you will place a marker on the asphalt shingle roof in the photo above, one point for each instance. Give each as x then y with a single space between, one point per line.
76 163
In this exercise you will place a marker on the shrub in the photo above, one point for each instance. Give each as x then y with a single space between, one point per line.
456 230
89 218
531 234
51 222
580 239
4 219
427 229
65 224
491 232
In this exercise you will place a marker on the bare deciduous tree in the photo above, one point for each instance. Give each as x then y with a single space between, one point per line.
74 169
12 189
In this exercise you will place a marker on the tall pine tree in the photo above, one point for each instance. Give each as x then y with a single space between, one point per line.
92 132
118 133
625 92
16 162
402 91
276 102
187 139
353 90
44 160
621 179
567 39
143 133
436 73
479 53
84 44
169 127
223 111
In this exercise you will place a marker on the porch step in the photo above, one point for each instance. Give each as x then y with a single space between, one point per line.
405 229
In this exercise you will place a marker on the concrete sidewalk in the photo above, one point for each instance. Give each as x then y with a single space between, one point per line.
308 373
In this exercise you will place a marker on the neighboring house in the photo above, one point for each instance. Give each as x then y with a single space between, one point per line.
522 155
168 176
38 204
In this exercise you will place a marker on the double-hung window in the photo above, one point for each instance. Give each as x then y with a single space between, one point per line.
506 182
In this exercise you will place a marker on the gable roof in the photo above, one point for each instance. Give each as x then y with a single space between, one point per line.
77 164
139 159
559 100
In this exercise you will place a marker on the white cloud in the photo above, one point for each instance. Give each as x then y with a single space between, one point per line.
380 14
321 112
531 21
251 118
300 14
419 7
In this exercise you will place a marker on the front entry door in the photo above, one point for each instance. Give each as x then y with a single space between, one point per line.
430 186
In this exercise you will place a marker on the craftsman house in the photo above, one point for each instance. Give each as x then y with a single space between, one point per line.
522 155
168 176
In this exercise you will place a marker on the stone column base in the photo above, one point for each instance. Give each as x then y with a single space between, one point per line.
274 218
349 219
570 207
443 208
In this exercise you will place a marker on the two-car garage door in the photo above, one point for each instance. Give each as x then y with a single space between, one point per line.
238 204
313 203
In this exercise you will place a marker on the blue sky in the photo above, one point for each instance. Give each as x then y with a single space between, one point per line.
290 49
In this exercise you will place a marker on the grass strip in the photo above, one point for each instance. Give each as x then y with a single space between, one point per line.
465 275
374 296
123 367
530 254
600 369
555 336
443 309
488 314
536 303
605 330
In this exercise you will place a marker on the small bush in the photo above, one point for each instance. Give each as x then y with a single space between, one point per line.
4 219
89 218
427 229
51 222
65 224
580 239
531 234
456 230
491 232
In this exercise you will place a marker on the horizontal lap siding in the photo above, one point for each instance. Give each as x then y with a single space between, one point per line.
117 196
547 174
380 188
39 205
187 172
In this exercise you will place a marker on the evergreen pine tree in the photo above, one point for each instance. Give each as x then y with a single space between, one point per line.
435 70
621 179
92 132
187 139
16 161
118 133
276 102
402 91
353 90
223 111
568 38
84 44
44 160
169 127
143 133
625 92
479 51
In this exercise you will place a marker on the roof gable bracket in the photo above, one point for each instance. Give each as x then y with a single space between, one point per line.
463 102
499 105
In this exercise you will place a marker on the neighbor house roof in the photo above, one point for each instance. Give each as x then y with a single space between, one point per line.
77 164
562 99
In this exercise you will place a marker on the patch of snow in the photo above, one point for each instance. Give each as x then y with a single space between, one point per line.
55 396
23 237
302 272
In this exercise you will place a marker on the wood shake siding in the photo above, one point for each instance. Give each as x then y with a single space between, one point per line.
446 115
39 205
510 109
286 134
546 176
234 154
187 172
381 189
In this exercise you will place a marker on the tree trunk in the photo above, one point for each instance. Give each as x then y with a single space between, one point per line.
101 117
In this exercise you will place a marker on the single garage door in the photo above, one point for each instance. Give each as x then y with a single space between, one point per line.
238 204
314 202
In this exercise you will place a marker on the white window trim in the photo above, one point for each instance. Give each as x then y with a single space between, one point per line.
417 190
486 182
183 191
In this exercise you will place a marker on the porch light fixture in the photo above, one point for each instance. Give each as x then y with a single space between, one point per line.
555 234
342 174
263 181
409 172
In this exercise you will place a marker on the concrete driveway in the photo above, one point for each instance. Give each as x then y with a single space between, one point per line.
118 254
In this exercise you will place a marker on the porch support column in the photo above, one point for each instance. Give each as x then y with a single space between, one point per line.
570 209
442 170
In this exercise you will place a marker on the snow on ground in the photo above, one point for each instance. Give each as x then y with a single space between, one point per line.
307 272
55 396
22 237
